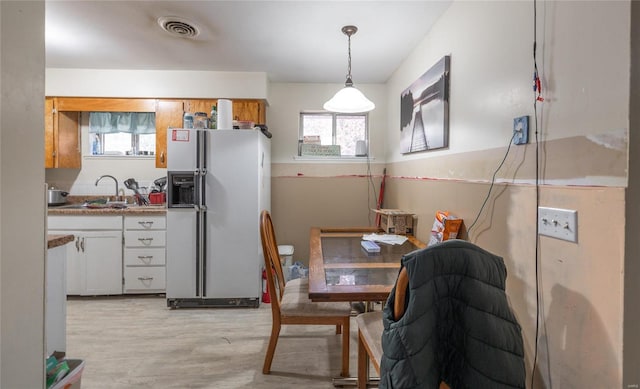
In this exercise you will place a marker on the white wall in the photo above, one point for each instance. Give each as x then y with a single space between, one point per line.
287 100
583 66
155 83
584 59
22 200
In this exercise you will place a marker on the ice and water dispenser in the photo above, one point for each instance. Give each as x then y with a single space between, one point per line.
181 189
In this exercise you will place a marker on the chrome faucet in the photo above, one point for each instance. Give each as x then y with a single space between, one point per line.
114 179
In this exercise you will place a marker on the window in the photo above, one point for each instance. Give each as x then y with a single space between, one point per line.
122 143
122 133
332 134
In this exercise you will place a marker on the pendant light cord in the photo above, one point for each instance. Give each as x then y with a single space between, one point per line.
349 63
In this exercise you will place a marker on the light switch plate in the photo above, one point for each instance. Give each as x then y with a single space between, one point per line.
558 223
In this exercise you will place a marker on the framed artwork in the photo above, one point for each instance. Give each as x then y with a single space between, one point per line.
424 110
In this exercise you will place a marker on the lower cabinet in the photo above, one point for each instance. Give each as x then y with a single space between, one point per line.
94 258
99 263
144 254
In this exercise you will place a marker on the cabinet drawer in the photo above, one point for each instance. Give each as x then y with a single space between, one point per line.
145 222
144 257
84 222
151 238
144 279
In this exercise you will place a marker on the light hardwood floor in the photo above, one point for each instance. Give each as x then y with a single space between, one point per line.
137 342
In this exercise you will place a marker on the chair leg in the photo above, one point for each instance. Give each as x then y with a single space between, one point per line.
338 329
271 349
363 364
345 348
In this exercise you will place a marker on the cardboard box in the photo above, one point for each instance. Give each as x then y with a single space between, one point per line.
395 221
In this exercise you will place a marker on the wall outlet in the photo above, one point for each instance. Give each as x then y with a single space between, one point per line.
521 130
558 223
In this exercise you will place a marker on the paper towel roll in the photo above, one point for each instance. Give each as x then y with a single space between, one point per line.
225 114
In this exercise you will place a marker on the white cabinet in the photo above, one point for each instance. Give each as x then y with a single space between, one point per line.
144 254
55 306
94 258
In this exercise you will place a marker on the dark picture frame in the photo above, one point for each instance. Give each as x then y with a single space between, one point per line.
424 110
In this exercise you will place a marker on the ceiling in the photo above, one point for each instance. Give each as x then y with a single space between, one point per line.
291 41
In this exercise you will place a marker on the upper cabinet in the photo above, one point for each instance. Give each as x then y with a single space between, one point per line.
168 114
243 109
251 110
62 136
62 121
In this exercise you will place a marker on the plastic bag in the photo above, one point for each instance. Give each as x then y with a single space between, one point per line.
445 227
298 270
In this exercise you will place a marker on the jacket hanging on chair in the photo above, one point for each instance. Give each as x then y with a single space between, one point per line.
457 326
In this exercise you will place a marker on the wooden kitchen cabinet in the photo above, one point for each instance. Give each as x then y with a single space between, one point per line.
251 110
94 258
62 136
243 109
199 105
62 121
168 114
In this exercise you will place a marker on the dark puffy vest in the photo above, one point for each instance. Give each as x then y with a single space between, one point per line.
457 327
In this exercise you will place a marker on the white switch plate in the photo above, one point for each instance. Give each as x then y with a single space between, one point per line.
558 223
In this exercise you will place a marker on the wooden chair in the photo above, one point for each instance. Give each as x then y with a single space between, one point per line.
290 302
370 333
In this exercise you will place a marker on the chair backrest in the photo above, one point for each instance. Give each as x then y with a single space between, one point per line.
272 262
402 283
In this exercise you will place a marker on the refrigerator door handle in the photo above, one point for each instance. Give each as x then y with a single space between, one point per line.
196 189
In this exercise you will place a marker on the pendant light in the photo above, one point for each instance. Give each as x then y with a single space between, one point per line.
349 99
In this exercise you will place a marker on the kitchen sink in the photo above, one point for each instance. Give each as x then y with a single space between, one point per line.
94 205
69 206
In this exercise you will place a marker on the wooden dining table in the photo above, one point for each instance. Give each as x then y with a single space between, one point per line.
341 270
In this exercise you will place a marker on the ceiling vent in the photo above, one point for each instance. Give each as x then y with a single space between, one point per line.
179 27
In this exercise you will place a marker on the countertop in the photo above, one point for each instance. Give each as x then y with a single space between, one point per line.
130 210
98 209
58 240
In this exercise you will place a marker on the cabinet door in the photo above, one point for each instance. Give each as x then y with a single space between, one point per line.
168 114
67 131
49 151
103 262
61 137
75 262
75 267
252 110
205 105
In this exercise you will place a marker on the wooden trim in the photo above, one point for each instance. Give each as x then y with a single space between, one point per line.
105 104
49 134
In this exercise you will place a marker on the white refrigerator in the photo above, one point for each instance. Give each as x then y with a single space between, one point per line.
218 181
